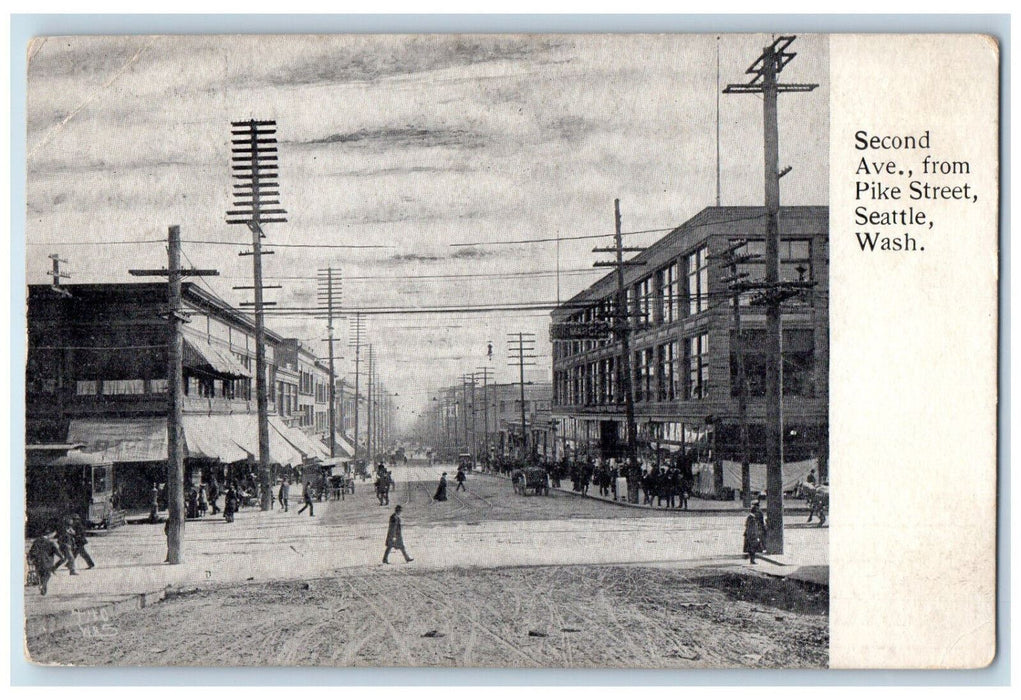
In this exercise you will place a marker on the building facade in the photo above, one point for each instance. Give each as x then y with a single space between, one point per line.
684 348
97 370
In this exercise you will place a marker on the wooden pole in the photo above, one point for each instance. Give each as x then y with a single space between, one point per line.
774 462
175 376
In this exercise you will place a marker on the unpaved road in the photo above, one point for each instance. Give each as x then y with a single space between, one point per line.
572 616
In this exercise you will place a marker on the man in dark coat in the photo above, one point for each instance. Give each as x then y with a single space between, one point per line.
40 556
754 532
284 494
80 540
441 489
307 494
460 480
65 540
394 537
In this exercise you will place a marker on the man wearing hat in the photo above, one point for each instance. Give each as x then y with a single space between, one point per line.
754 532
394 537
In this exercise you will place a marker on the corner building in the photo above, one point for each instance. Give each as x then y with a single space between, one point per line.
684 349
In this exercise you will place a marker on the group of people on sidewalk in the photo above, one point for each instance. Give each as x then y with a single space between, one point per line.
65 545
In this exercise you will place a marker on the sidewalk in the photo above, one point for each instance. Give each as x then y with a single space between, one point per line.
345 538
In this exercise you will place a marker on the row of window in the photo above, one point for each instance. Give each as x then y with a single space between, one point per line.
679 371
674 370
681 289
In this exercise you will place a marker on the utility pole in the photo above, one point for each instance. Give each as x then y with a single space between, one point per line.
328 293
519 344
357 327
465 378
622 329
369 411
730 259
773 292
485 410
255 167
175 381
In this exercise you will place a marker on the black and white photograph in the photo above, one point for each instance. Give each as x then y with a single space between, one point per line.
435 350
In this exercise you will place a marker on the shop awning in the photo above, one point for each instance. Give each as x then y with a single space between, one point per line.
246 436
199 354
298 440
121 439
344 448
209 437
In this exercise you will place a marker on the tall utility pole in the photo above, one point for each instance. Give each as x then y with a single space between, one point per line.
729 258
773 292
329 292
175 382
255 167
369 411
485 409
622 329
518 345
358 329
465 379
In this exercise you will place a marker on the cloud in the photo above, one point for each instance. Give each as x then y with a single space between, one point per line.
377 58
406 170
403 137
473 253
412 257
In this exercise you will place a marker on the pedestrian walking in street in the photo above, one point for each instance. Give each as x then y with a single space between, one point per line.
395 538
441 489
460 480
65 540
307 494
754 533
40 557
80 540
284 494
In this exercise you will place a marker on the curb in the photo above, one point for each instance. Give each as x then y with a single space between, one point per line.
788 510
92 617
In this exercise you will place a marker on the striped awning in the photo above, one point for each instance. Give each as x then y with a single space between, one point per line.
199 354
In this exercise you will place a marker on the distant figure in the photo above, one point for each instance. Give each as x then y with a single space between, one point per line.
40 557
230 504
284 494
307 494
394 537
65 540
154 503
79 539
203 503
193 503
754 532
811 477
214 494
460 480
441 489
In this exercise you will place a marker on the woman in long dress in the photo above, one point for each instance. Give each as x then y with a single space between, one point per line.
441 490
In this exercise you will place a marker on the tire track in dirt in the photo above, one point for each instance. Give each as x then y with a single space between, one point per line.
402 648
435 597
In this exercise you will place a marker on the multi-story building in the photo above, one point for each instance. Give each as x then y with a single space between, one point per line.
684 348
97 373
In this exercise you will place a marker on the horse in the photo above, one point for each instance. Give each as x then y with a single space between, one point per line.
818 498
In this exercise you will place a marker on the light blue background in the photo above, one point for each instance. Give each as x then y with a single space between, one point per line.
24 27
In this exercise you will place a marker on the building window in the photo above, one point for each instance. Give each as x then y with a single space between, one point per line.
89 387
669 294
665 375
119 387
798 363
698 282
795 266
158 386
697 360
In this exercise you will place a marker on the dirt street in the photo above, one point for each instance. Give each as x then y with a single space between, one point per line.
498 580
579 616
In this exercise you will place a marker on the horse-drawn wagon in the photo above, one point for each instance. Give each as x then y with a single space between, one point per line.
530 479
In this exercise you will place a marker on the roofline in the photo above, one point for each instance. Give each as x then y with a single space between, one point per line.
703 217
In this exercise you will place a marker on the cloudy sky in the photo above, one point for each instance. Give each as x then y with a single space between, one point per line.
412 143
